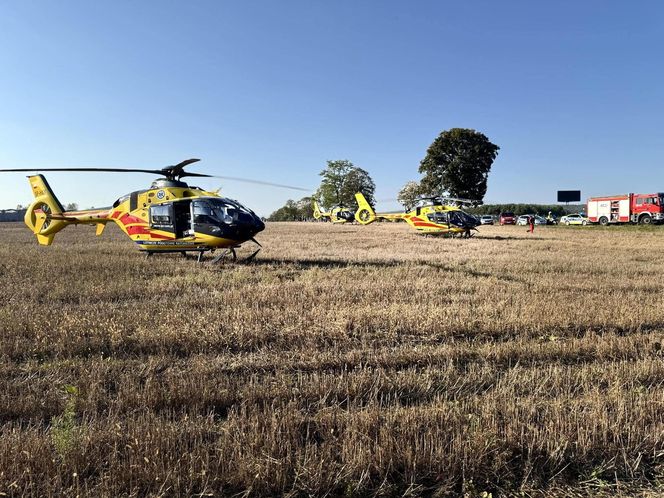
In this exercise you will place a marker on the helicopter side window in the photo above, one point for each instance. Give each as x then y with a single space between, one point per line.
438 217
160 215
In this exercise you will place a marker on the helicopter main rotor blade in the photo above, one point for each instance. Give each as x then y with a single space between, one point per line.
112 170
176 170
182 175
258 182
170 172
184 163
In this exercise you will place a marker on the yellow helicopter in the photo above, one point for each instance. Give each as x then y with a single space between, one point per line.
169 216
337 214
430 216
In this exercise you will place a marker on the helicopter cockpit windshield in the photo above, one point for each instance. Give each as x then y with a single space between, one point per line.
461 219
456 218
214 211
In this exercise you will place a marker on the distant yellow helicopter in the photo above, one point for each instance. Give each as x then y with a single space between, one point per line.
337 214
169 216
431 216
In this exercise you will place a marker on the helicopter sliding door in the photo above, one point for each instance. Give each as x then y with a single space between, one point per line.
182 217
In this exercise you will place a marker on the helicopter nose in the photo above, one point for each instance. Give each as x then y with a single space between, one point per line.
251 224
259 226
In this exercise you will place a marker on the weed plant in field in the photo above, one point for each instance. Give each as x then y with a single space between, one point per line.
345 360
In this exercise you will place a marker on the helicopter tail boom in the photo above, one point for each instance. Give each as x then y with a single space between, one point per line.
365 213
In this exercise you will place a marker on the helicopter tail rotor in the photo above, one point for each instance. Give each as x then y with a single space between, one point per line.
317 211
44 215
365 213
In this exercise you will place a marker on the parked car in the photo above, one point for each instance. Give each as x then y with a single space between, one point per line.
486 219
523 219
574 219
507 218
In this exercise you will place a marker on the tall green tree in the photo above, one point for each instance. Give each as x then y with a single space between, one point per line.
341 180
408 194
458 164
288 212
305 208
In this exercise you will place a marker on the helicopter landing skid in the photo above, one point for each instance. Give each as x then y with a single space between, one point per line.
223 254
464 235
231 251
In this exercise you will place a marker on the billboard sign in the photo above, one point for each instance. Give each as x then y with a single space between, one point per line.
569 196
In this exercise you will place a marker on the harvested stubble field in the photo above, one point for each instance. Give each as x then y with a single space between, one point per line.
345 360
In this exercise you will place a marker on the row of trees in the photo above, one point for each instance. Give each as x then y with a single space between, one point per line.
301 210
457 164
519 209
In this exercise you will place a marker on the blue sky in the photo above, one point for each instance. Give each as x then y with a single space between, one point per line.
571 91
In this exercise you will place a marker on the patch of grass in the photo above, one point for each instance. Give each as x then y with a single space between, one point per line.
65 432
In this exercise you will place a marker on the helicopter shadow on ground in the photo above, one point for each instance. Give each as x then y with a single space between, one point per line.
324 263
462 269
512 237
341 263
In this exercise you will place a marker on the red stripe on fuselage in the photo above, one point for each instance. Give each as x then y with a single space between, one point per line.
137 226
138 230
433 225
143 230
128 219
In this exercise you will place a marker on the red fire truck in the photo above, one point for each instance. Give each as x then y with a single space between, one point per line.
627 208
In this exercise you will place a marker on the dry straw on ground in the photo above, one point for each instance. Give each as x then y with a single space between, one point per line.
345 360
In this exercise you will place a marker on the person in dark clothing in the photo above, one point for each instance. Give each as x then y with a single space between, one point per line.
531 222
